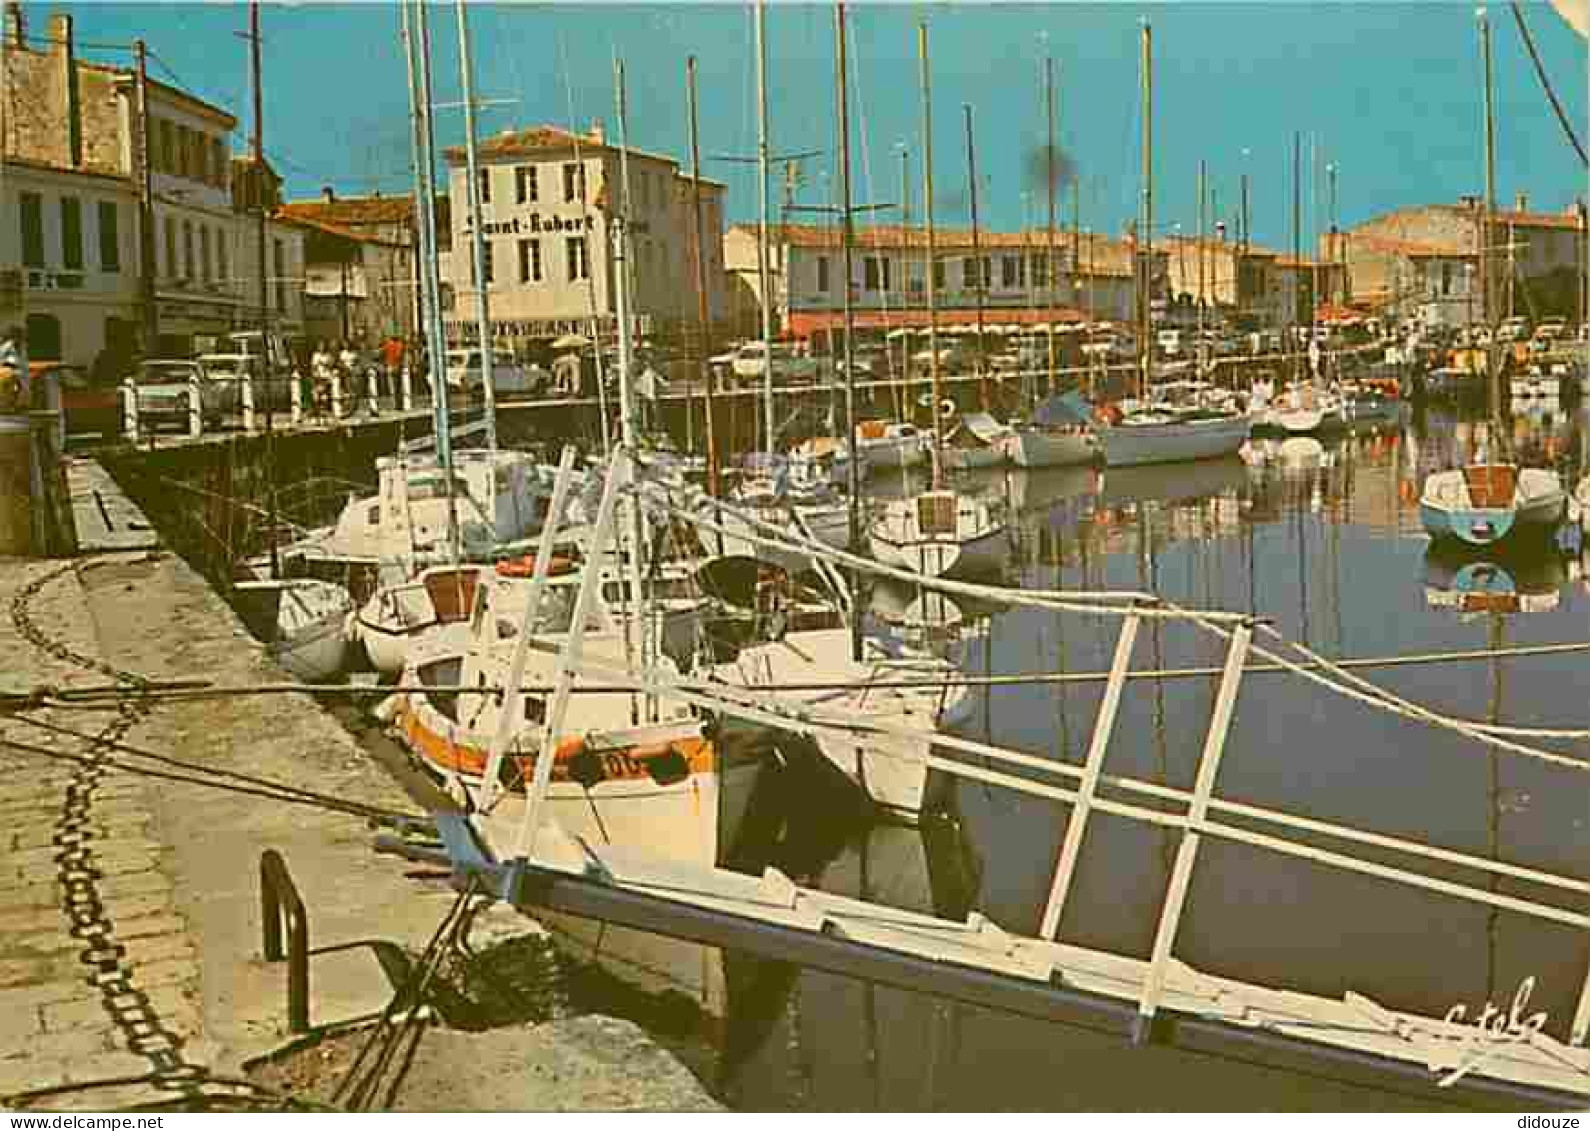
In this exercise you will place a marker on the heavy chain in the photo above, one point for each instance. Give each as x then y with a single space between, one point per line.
109 971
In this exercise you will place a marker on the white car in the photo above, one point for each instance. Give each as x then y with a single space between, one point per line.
507 375
750 361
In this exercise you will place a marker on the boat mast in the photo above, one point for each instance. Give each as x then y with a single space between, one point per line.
1486 305
1146 274
257 148
932 246
477 231
1199 353
702 317
635 605
763 266
1297 249
847 234
425 204
977 258
1051 264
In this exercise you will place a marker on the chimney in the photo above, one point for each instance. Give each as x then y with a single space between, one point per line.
328 194
63 57
1469 201
598 131
1521 204
16 25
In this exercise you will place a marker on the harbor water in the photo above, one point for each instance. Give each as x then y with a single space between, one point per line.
1322 538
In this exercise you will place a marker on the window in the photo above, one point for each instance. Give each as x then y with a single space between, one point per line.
574 251
279 260
823 281
171 247
1040 268
485 186
184 165
525 189
205 262
71 233
222 272
167 162
1011 271
529 261
187 249
940 280
109 236
32 229
969 273
573 183
1446 279
486 262
875 273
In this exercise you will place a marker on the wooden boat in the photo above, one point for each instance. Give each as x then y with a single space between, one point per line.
303 623
941 534
1482 504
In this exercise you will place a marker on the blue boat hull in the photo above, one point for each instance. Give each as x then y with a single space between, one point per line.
1473 527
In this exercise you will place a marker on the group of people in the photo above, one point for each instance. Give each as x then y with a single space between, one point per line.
356 365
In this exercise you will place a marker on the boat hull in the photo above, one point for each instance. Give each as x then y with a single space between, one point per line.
1446 510
985 554
1034 447
1133 445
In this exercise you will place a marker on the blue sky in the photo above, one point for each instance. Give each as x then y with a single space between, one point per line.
1389 92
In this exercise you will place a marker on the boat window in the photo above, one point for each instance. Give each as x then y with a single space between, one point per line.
372 515
423 488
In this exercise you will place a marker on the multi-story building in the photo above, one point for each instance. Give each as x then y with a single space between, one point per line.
1418 260
1253 287
548 198
1007 271
360 264
112 261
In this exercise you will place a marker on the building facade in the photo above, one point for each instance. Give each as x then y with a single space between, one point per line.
1007 271
360 264
548 198
1252 287
107 268
1418 261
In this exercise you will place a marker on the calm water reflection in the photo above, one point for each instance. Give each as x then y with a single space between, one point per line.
1324 540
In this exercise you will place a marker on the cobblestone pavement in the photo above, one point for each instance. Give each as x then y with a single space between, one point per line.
98 978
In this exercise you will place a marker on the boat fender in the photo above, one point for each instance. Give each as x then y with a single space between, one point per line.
526 566
386 710
667 766
585 767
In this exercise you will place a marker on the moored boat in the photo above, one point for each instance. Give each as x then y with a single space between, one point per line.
1481 504
303 623
1169 437
941 533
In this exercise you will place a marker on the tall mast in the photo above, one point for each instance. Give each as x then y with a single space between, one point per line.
1297 245
977 256
1146 276
846 228
426 204
1052 265
257 148
477 230
932 244
763 267
702 317
637 607
1200 349
905 290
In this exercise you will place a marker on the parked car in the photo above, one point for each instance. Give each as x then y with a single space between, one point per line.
89 407
750 362
163 389
1515 329
272 389
507 375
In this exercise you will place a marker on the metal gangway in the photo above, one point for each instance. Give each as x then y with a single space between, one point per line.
1499 1057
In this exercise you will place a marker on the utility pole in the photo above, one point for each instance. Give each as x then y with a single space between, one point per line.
703 319
977 257
146 209
477 232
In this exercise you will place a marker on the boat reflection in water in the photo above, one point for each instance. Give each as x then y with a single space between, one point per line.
1516 583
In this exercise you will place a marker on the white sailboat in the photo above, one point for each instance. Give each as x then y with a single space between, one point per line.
939 532
1158 434
303 623
1490 500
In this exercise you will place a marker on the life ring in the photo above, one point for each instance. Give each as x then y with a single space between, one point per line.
526 566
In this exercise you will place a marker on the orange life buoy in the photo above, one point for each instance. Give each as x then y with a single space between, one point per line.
526 566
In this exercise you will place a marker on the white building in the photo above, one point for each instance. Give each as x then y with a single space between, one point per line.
546 198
